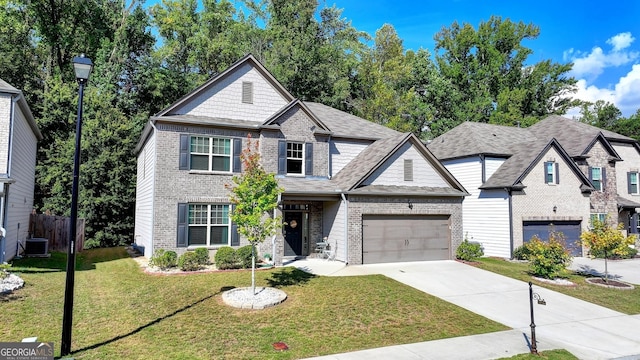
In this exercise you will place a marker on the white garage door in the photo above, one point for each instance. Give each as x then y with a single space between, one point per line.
391 238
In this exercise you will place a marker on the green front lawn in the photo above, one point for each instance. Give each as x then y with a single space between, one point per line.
624 301
550 355
121 312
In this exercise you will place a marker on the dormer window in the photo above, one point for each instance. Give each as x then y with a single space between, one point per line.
247 92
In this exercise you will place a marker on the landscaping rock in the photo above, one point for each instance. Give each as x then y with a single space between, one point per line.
10 284
243 298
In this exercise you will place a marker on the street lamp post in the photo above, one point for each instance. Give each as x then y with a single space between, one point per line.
82 66
541 301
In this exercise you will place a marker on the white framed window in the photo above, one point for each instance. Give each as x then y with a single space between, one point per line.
602 217
596 178
551 175
208 224
632 183
210 153
295 158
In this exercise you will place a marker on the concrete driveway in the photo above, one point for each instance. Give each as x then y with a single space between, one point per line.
588 331
627 270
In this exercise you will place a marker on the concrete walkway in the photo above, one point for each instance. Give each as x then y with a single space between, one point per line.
588 331
627 270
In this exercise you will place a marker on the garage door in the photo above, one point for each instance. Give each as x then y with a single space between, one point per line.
388 238
570 229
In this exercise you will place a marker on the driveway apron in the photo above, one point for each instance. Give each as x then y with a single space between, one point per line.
587 330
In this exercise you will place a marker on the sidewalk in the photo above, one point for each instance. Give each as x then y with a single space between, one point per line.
587 330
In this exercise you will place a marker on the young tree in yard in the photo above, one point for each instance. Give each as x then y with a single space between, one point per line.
605 239
255 195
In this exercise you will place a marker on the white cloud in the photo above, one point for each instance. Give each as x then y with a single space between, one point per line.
621 41
590 65
625 95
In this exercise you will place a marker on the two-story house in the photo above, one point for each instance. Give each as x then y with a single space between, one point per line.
19 136
554 176
375 195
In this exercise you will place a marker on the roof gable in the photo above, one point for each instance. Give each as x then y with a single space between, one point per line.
273 120
24 107
220 96
511 173
370 160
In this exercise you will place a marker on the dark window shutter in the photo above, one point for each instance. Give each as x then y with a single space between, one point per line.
546 164
629 189
590 173
308 159
237 150
184 152
183 224
557 173
282 157
235 236
604 178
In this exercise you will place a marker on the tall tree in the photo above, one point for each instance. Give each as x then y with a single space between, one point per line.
601 114
488 69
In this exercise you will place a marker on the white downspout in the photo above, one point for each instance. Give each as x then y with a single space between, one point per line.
346 227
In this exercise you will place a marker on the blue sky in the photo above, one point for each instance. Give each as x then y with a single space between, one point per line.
601 38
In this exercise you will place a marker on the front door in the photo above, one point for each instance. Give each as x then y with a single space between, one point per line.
293 234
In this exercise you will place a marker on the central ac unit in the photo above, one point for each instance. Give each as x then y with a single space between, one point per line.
37 247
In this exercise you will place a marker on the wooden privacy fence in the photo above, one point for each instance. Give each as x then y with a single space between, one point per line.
56 229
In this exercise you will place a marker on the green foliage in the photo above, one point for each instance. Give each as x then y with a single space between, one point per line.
164 259
202 255
225 258
244 256
606 240
189 261
522 252
4 270
548 259
468 250
624 252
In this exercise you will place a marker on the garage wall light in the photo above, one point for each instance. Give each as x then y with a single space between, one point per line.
410 205
555 208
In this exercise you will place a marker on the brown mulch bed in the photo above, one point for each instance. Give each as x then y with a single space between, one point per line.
610 283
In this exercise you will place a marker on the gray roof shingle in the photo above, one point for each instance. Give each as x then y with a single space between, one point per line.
6 87
472 138
343 124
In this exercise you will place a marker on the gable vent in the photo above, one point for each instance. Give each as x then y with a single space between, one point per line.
247 92
408 170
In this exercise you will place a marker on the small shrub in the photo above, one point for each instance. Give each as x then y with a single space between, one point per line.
243 255
469 250
548 259
202 255
4 270
189 261
225 258
164 259
522 252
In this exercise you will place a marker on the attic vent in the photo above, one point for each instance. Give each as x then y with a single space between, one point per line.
408 170
247 92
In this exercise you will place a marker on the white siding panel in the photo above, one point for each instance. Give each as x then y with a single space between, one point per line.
224 99
491 165
5 115
392 171
143 233
334 227
343 151
20 195
485 214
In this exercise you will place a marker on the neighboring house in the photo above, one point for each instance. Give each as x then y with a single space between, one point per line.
555 175
19 136
376 195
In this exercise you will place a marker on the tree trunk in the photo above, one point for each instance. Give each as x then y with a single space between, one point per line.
253 269
606 272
